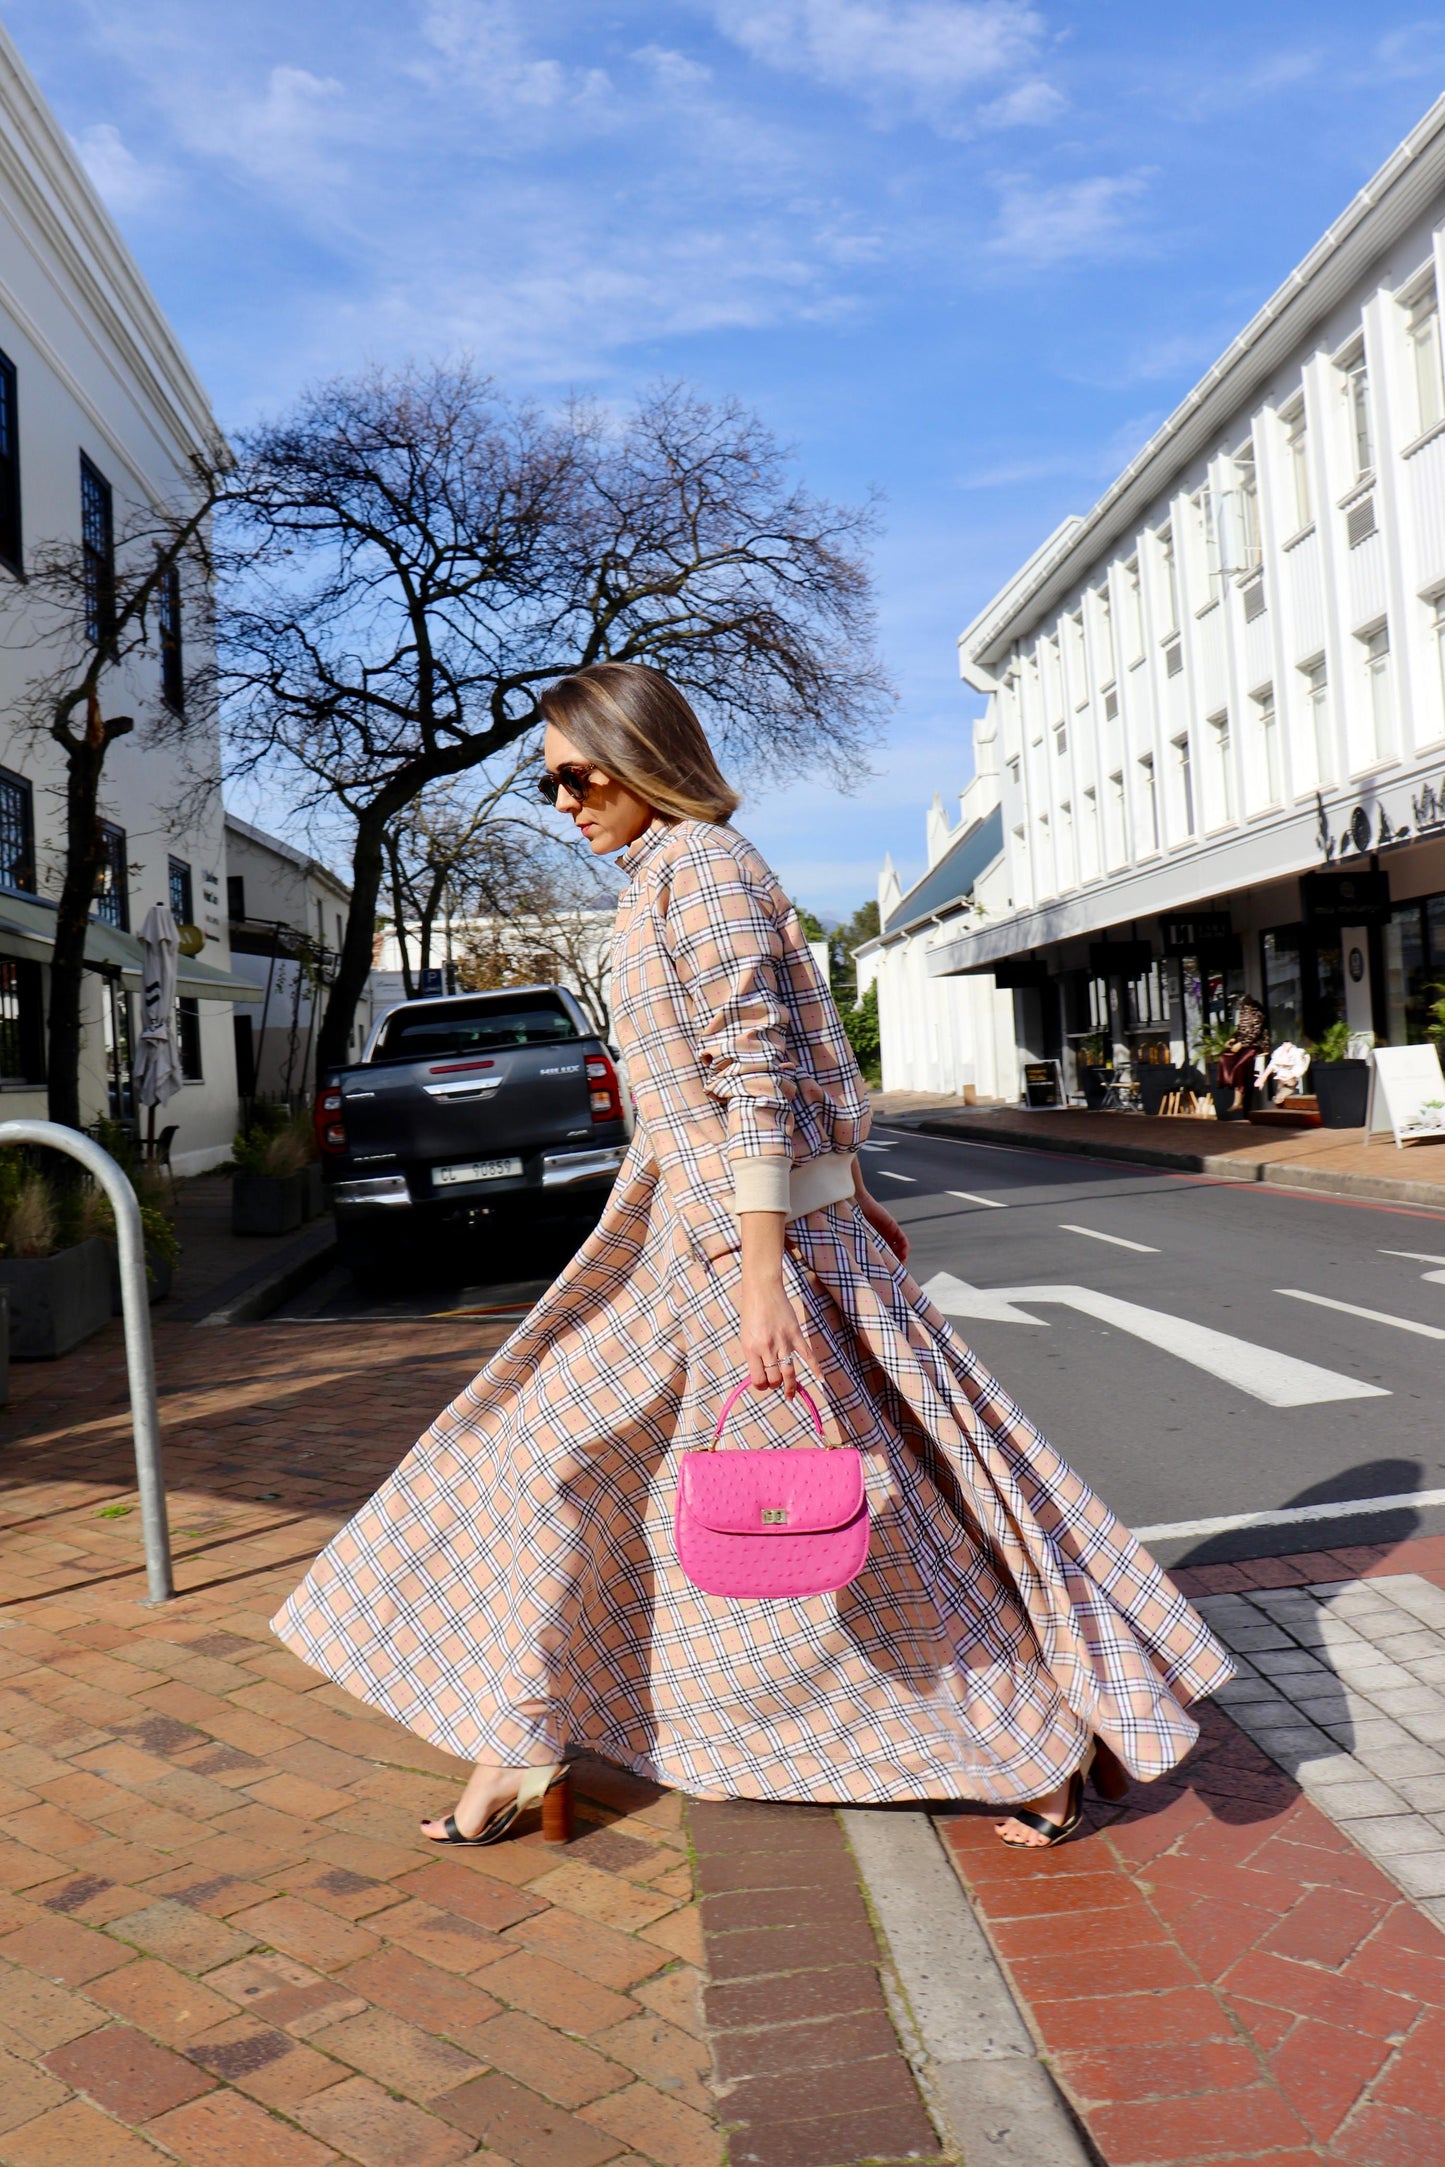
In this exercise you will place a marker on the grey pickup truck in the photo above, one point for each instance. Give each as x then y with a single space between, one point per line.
462 1109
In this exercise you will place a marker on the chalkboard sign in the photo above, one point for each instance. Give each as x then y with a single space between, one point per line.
1407 1093
1041 1084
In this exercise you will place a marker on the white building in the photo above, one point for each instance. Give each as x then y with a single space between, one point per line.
565 947
287 915
98 407
1217 702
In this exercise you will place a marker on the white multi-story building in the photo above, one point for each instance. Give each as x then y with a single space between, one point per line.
287 915
99 412
1216 704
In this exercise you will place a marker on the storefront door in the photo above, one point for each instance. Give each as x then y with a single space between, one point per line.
1304 983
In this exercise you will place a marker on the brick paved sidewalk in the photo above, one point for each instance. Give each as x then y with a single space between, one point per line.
223 1941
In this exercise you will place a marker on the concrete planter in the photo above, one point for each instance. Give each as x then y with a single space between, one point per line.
267 1203
1343 1091
160 1276
56 1302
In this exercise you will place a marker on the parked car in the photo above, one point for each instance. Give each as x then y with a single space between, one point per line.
465 1110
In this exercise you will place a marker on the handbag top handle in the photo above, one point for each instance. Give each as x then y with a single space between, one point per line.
739 1389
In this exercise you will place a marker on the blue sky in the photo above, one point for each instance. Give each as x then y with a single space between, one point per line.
968 251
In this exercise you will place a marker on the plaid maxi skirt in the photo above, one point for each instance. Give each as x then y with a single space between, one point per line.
512 1591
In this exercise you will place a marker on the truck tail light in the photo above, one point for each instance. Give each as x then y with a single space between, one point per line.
330 1129
603 1088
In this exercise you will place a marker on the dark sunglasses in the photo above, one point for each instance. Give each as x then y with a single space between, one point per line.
576 781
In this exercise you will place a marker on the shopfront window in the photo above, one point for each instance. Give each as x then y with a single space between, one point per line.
1304 983
1283 985
1414 969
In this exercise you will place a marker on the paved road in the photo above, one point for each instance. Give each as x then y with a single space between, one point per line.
1177 1338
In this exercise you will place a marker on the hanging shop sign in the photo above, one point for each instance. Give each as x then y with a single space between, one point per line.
1339 899
1185 933
1119 959
1017 974
1369 828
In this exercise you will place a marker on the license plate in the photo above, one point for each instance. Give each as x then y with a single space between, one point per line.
476 1170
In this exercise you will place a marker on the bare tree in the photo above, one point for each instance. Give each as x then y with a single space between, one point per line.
547 918
448 855
415 556
97 613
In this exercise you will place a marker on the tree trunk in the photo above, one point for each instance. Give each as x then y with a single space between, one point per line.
83 858
367 870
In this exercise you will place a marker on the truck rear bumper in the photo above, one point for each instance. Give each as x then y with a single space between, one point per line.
551 1171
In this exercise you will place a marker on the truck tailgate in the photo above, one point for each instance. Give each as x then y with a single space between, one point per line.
527 1098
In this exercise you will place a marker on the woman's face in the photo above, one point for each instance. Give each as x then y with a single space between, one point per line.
610 815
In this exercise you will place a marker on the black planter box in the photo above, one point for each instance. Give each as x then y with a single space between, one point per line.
1156 1081
56 1302
267 1203
1342 1089
1096 1082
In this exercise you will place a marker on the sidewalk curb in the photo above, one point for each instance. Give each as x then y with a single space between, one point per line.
1281 1174
265 1288
972 2051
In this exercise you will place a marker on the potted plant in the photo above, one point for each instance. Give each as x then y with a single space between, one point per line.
1210 1045
270 1158
1341 1077
162 1244
1096 1070
54 1272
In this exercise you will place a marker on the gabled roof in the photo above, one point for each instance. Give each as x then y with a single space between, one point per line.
953 878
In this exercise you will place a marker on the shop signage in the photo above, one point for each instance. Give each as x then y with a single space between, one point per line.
1120 959
1340 899
1369 827
1186 933
1018 973
1041 1083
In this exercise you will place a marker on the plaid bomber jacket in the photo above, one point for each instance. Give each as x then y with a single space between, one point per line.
738 1062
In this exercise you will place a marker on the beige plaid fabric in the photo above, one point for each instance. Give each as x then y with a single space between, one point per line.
512 1591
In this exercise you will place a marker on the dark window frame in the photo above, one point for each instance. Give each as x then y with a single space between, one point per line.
12 535
236 898
97 543
112 903
181 891
17 826
168 620
188 1038
22 1022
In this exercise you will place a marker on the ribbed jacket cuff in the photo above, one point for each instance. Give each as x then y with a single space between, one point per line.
761 1184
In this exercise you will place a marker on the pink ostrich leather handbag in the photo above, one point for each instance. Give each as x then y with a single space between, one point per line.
772 1525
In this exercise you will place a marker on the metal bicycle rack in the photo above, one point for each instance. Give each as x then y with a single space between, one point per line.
139 1356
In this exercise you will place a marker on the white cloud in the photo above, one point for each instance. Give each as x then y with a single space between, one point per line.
484 43
913 56
124 184
1071 221
1031 104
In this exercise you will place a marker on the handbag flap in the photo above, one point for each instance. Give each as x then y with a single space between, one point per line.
782 1491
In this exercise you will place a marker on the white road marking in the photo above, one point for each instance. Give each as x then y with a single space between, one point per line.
877 1147
1280 1380
889 1175
1372 1316
1419 1256
1144 1248
1349 1509
989 1203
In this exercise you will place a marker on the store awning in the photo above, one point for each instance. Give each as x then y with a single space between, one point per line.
27 929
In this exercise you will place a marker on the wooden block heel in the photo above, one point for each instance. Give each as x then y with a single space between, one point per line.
557 1810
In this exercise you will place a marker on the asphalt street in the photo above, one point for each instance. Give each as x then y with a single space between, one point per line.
1202 1351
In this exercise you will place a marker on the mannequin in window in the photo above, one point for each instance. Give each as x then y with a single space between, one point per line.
1250 1042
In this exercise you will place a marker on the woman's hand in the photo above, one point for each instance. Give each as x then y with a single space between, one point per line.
771 1338
883 1224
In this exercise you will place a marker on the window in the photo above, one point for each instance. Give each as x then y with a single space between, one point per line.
1414 966
168 615
112 888
188 1038
235 898
1424 332
1206 531
1185 768
1078 677
340 933
1061 740
1149 786
10 544
1297 449
1377 685
1361 423
17 834
97 536
1246 543
180 891
1269 747
1171 576
1317 697
22 1023
1223 761
1111 705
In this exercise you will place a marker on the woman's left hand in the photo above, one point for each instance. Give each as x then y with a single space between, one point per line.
884 1225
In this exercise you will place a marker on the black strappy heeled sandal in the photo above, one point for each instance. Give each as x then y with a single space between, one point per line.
1110 1780
549 1788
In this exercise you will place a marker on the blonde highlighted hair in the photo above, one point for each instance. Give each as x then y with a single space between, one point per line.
638 728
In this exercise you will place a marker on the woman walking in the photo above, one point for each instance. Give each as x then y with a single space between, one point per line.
513 1592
